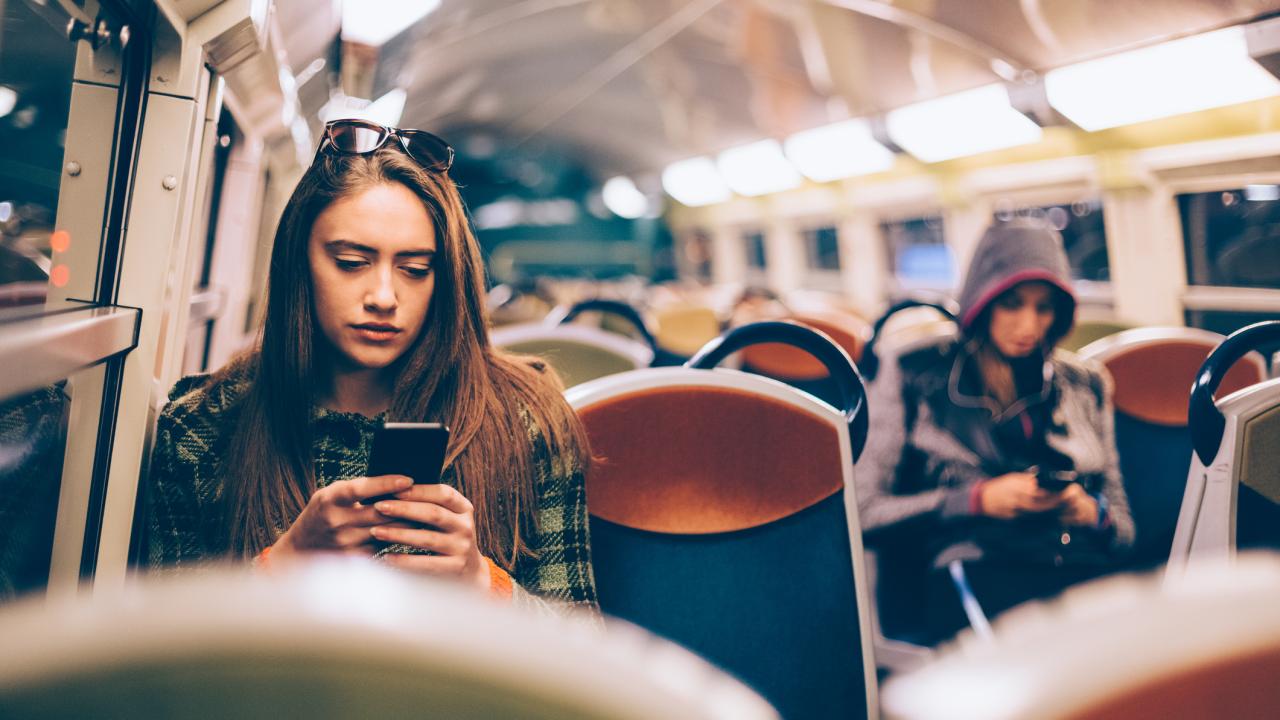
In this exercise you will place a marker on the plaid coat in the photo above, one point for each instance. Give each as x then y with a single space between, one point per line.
187 514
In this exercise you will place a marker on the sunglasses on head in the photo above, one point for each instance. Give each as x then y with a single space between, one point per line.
359 137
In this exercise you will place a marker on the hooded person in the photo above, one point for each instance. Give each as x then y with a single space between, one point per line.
992 454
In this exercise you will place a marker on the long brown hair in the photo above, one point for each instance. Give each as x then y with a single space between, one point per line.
450 374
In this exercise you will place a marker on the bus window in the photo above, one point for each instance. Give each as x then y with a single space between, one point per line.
822 245
919 253
1232 237
36 64
1083 234
754 242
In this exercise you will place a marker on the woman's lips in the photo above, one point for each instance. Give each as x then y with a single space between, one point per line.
376 333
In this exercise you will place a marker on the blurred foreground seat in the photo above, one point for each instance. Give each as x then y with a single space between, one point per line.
1205 645
338 639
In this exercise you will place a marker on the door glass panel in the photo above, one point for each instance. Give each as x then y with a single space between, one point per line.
36 65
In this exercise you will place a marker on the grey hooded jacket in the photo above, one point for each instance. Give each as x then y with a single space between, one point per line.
934 435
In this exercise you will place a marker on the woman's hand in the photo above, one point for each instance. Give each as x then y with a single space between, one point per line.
334 520
1014 494
450 533
1078 507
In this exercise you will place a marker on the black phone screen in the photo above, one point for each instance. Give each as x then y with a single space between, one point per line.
413 449
1056 480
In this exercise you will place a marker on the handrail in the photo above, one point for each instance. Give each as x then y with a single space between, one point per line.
1204 420
613 307
843 370
870 361
41 350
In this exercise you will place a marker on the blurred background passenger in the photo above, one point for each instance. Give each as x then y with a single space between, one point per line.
375 312
993 449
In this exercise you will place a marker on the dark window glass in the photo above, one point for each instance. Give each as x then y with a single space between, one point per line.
823 246
36 64
1228 321
919 252
1083 234
1233 237
697 254
754 240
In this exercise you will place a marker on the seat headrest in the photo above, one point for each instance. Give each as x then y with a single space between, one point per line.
1153 381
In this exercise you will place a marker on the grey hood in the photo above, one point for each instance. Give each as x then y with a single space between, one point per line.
1014 252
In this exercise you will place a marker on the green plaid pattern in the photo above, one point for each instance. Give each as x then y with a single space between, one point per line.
33 434
188 520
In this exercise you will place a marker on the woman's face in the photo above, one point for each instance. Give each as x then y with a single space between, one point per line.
1021 317
371 256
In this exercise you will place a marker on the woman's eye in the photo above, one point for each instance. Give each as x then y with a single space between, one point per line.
349 264
418 271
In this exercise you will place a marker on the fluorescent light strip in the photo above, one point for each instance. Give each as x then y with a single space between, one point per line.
836 151
623 198
966 123
757 169
694 182
1172 78
373 22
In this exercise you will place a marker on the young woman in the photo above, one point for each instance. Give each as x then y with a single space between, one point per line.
375 311
993 450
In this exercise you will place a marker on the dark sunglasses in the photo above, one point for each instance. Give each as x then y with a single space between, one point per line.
358 137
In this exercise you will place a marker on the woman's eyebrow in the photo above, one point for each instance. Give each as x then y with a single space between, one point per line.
349 245
336 245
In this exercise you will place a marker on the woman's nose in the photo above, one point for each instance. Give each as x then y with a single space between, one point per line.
382 295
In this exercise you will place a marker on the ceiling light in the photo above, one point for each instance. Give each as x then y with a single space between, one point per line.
8 99
623 199
386 110
1180 76
966 123
757 169
694 182
836 151
373 22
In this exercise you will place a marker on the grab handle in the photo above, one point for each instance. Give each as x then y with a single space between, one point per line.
612 307
1204 420
870 361
843 371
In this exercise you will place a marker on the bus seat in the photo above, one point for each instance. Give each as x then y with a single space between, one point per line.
1205 645
338 639
580 352
798 368
1087 331
1153 369
682 330
1232 496
723 517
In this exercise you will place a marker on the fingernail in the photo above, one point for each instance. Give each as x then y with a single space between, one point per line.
376 532
383 506
404 482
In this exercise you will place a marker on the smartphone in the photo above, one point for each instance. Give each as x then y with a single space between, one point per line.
1055 480
412 449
